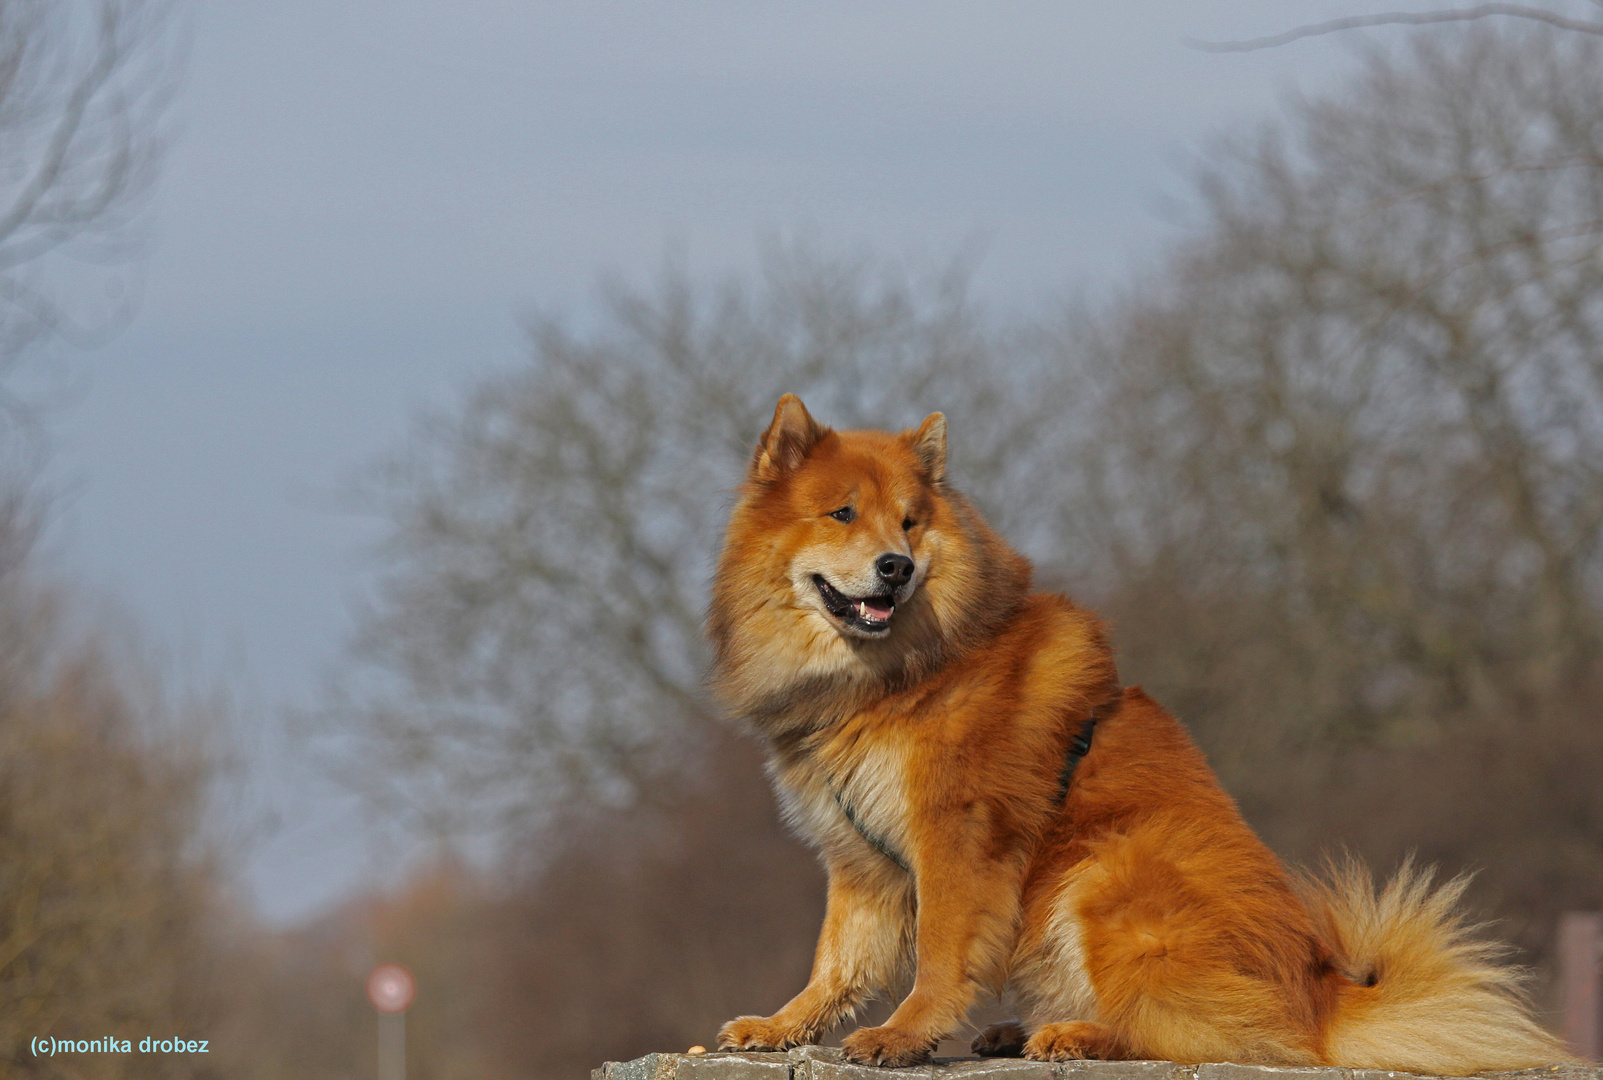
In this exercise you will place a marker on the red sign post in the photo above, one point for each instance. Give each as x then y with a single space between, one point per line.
390 987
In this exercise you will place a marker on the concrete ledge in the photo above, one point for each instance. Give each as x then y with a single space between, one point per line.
825 1063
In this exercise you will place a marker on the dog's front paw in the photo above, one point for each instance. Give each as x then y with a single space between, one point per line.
888 1046
760 1033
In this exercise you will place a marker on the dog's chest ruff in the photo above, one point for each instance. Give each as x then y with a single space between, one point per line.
852 804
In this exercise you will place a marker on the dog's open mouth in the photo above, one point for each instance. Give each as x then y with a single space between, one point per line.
868 615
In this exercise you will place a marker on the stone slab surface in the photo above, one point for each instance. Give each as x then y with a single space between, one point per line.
994 1069
1227 1071
826 1063
1380 1074
722 1066
641 1068
1123 1070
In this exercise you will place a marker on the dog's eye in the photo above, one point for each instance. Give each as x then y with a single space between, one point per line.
845 513
907 524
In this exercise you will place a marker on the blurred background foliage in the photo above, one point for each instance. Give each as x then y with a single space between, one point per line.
1330 469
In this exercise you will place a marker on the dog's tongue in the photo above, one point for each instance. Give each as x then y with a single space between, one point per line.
875 607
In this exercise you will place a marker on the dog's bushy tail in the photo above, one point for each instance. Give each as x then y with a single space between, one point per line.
1427 995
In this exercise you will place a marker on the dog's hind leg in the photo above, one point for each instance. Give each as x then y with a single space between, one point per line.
1073 1040
1049 978
1000 1040
866 940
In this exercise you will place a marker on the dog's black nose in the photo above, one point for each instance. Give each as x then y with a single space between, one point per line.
894 570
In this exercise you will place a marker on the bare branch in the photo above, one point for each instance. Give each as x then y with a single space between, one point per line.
1401 18
83 88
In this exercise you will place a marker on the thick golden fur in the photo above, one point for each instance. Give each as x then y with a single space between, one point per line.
1139 917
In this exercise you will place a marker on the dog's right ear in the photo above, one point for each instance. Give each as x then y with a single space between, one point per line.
786 442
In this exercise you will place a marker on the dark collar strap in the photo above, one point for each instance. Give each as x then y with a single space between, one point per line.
1079 746
877 842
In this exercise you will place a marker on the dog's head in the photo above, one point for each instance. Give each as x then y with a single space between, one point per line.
848 515
849 561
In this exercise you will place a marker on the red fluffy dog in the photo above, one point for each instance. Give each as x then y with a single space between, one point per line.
994 811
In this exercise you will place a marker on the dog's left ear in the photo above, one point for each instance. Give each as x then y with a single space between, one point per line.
929 443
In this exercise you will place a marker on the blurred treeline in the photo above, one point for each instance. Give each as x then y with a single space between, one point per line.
1331 466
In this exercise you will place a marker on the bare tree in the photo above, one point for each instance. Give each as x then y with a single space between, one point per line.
1358 427
107 885
537 635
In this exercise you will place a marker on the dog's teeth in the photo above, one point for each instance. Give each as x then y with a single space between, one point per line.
862 608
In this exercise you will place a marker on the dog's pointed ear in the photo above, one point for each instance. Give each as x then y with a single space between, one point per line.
929 443
787 441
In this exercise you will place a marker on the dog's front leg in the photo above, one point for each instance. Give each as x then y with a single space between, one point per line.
967 919
865 940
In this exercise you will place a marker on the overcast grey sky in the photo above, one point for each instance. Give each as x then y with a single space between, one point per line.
366 194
